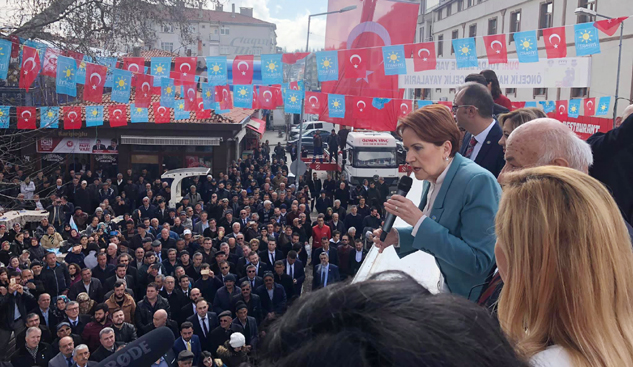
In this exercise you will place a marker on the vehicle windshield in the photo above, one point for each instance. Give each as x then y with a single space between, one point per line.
375 158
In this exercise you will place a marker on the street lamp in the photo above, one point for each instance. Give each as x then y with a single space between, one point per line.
343 10
592 13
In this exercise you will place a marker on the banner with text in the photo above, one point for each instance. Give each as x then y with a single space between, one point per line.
77 145
573 72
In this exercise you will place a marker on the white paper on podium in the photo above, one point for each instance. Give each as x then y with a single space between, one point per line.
419 265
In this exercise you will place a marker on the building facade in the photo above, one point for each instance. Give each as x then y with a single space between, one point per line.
451 19
218 33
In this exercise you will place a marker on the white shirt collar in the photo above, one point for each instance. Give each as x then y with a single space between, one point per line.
442 176
481 137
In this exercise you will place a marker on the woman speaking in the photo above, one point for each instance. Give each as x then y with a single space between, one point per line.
455 219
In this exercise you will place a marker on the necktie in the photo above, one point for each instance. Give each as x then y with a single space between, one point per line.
69 361
253 284
189 346
292 271
324 277
204 326
74 323
272 259
471 147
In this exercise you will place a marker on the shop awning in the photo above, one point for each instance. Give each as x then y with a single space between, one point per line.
257 126
166 140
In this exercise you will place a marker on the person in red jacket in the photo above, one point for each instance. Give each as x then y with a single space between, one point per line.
319 231
90 335
495 89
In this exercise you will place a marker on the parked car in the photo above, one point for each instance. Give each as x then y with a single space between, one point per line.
307 140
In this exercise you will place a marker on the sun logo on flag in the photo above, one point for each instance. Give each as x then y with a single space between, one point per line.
293 99
526 43
326 63
465 50
1 113
159 69
336 104
394 57
272 66
1 54
95 112
181 106
82 65
603 107
50 114
139 110
585 36
242 92
68 72
169 90
120 83
208 93
215 69
573 108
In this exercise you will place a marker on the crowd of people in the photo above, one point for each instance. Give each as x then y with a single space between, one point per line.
529 226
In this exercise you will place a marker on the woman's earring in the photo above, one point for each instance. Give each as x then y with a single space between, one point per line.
446 158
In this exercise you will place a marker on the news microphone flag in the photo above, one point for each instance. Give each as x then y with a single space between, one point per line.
142 352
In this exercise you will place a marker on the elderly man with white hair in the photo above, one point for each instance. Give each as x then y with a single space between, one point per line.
613 156
34 352
81 356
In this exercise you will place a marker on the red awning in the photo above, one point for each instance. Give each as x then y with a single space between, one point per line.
257 126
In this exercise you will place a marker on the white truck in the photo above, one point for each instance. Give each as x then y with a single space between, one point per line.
369 154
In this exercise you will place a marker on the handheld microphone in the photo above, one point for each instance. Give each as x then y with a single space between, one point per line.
143 351
403 189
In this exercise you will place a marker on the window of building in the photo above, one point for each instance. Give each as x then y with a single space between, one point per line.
515 24
167 28
439 14
540 92
449 10
430 36
224 30
545 19
440 45
421 39
454 35
591 5
470 3
452 90
492 26
203 26
578 92
460 5
472 31
167 46
511 92
225 50
438 90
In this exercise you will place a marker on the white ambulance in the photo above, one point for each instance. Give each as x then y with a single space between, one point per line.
369 154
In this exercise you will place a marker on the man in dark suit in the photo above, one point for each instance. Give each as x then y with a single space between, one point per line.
251 300
271 254
120 274
294 268
87 284
356 257
108 345
248 323
188 341
325 273
259 265
273 297
189 309
331 251
10 299
473 111
222 333
284 279
203 322
252 277
45 312
103 270
42 351
77 322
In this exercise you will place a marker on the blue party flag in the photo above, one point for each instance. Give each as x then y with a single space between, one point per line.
548 106
526 46
327 65
243 96
65 81
179 110
4 116
530 104
219 111
423 102
336 105
603 106
110 63
208 96
138 114
379 103
587 40
167 92
272 69
81 72
393 60
292 101
122 86
465 52
216 70
161 67
573 110
94 116
5 57
49 117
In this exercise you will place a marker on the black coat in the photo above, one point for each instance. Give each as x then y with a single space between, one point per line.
56 280
24 358
277 304
144 313
83 320
219 335
254 306
353 264
490 156
101 353
96 290
103 274
197 329
7 308
126 334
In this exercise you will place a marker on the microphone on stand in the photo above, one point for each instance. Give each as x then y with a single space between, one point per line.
403 189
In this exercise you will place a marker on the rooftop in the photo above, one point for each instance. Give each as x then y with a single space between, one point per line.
224 17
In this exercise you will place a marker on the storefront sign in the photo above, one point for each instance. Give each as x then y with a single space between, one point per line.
77 145
553 73
57 158
106 158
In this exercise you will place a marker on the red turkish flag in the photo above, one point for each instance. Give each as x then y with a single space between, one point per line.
424 56
78 56
448 105
243 69
267 99
279 98
186 68
313 102
201 113
609 26
143 90
30 67
190 96
293 85
95 79
162 114
72 118
561 110
403 107
354 63
223 95
555 42
361 107
117 115
27 117
516 105
496 49
590 106
50 62
294 57
15 46
255 98
134 64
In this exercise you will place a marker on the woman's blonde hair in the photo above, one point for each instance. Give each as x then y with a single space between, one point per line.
569 276
520 116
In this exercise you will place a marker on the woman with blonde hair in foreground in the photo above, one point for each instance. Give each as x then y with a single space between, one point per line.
565 257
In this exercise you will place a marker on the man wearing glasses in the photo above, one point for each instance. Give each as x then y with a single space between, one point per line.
473 111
